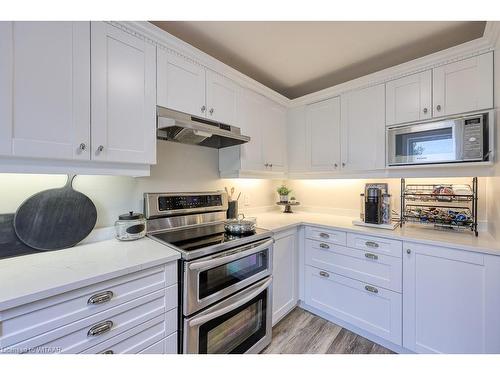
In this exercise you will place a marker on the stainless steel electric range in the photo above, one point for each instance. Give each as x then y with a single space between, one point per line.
225 281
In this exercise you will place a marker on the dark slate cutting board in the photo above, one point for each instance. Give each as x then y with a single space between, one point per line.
10 245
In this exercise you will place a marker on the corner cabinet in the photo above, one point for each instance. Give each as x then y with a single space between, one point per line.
451 300
45 90
123 96
285 273
264 121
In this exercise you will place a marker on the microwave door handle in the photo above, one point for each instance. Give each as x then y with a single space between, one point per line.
205 318
222 260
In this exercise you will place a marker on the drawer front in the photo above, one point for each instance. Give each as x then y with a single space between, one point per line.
166 346
140 337
378 245
366 266
23 322
326 235
375 310
76 337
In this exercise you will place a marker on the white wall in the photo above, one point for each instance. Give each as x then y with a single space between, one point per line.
180 168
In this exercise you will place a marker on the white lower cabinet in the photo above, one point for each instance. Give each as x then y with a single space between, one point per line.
451 300
284 274
373 309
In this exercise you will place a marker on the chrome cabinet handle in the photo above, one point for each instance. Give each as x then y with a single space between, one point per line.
211 111
100 328
266 165
108 352
82 146
343 164
324 274
371 256
425 110
99 298
335 165
408 251
324 246
438 107
371 289
100 148
371 244
324 235
271 165
203 109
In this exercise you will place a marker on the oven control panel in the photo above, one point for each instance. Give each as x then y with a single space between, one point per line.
170 203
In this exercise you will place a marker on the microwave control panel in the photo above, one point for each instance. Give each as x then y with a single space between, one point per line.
473 138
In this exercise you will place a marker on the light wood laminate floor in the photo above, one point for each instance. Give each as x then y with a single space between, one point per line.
301 332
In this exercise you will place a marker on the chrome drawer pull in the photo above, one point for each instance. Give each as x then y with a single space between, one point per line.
99 298
100 328
324 235
324 274
108 352
371 289
371 256
371 244
324 246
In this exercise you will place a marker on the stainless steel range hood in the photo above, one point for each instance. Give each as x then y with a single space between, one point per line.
180 127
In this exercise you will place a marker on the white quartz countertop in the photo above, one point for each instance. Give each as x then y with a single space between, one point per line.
31 277
484 243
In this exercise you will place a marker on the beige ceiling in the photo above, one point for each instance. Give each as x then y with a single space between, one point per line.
297 58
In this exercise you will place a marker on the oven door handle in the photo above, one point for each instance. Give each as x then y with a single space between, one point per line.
226 259
205 318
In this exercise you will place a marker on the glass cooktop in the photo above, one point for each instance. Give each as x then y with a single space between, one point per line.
209 238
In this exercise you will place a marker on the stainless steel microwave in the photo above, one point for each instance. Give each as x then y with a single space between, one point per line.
454 140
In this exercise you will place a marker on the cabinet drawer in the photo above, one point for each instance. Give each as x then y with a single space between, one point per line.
166 346
140 337
375 310
23 322
376 269
378 245
76 337
326 235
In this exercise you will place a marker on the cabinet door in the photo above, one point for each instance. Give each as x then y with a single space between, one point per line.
444 300
45 89
463 86
363 129
409 98
123 96
284 274
221 100
274 135
296 139
180 84
250 120
323 135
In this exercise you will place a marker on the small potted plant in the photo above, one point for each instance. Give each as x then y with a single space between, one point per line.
283 192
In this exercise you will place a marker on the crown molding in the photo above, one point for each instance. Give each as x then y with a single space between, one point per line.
177 46
172 44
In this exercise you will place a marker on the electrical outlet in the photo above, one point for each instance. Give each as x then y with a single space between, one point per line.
246 200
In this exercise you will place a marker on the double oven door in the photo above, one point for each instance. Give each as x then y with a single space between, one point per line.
226 300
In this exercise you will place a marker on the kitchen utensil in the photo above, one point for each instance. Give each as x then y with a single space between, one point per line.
10 244
130 226
239 195
227 192
232 192
241 225
232 210
56 218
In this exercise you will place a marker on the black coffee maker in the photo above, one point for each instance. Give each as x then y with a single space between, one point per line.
373 205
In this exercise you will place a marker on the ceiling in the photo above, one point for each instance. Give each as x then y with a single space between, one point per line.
297 58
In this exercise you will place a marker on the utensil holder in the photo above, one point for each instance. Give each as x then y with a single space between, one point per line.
232 210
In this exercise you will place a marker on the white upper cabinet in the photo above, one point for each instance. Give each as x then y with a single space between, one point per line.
409 98
45 89
463 86
123 96
323 135
274 135
221 98
450 300
363 129
181 84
